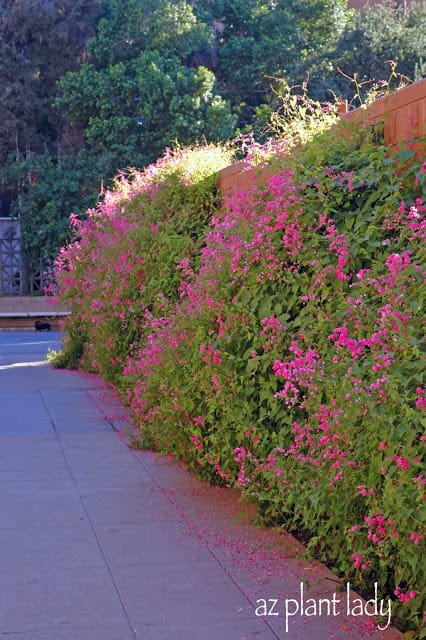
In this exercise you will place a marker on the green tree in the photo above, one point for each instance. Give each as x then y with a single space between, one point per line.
139 92
378 34
91 86
260 39
39 41
49 191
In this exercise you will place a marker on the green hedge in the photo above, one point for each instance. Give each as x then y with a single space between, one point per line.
275 343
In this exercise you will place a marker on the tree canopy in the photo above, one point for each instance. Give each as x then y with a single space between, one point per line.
40 41
95 86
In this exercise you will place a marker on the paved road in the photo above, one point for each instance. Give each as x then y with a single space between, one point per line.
101 543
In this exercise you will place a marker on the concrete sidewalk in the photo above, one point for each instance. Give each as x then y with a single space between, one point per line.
101 543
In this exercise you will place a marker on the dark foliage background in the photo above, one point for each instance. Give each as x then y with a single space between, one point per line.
89 87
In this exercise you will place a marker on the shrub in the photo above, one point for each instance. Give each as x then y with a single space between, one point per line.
276 343
121 267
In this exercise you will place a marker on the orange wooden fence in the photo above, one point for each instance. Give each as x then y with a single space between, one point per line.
360 4
237 177
403 114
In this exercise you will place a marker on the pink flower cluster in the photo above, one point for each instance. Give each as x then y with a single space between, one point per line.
282 362
404 597
380 528
300 373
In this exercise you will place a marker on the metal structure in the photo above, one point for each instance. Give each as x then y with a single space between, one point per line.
10 257
36 277
17 277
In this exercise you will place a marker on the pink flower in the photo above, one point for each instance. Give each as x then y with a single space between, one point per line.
357 560
362 273
401 462
404 597
356 527
416 537
421 399
363 491
397 262
239 453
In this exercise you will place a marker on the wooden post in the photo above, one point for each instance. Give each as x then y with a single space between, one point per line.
342 107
